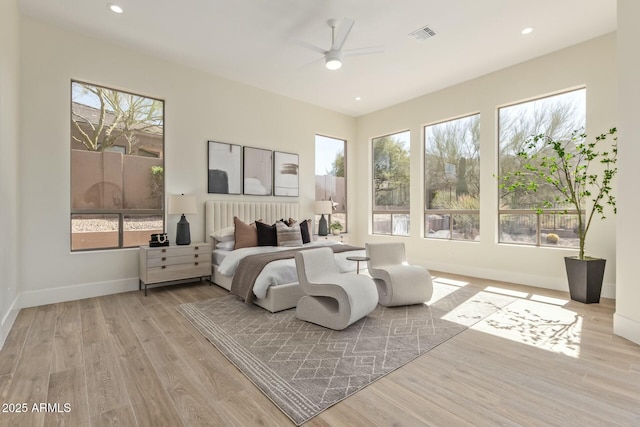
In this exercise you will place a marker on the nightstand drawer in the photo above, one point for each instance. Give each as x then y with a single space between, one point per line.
178 251
342 237
172 260
176 272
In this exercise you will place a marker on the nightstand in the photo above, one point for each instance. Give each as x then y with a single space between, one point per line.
342 237
175 262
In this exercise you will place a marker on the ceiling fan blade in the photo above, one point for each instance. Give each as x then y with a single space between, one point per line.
342 33
310 64
311 47
363 51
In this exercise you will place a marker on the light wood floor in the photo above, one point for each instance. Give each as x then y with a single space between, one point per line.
130 360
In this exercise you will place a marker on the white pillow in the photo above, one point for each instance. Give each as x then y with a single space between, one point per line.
226 246
224 234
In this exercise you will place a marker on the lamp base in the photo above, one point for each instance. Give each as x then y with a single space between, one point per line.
183 234
322 226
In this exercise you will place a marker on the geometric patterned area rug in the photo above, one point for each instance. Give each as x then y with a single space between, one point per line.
305 368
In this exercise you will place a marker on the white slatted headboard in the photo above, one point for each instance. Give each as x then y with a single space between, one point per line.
219 214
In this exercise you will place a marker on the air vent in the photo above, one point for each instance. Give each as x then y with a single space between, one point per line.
423 33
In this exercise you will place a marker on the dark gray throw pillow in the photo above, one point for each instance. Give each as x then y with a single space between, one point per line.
267 235
304 230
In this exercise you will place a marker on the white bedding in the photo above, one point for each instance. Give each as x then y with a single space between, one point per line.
218 255
281 271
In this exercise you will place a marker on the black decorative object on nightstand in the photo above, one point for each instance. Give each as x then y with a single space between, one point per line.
181 205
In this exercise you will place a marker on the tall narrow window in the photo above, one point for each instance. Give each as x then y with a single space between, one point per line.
391 184
331 178
117 168
556 116
452 179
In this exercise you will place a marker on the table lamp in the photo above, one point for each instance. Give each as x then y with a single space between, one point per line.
323 207
182 205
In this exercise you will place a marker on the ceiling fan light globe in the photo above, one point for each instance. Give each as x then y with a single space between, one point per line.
333 60
333 64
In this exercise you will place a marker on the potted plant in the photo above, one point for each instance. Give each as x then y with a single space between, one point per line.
565 165
335 227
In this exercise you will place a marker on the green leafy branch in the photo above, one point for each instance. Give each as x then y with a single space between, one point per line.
564 165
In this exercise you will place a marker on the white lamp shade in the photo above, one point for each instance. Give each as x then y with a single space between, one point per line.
182 204
323 207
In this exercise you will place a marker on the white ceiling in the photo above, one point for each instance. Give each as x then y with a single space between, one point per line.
257 41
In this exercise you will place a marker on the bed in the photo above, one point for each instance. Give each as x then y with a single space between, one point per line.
270 296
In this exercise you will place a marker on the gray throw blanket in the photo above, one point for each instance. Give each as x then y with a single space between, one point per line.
250 267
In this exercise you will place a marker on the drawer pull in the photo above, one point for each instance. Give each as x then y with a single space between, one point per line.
196 263
196 256
196 248
164 250
164 266
164 258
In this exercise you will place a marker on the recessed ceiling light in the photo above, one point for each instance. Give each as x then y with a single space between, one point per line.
358 98
527 30
115 8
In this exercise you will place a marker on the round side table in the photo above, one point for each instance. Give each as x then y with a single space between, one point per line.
357 259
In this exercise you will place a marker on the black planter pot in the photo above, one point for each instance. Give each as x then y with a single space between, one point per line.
585 278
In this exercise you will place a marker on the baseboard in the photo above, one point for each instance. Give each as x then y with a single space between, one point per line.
71 293
626 328
8 321
608 291
545 282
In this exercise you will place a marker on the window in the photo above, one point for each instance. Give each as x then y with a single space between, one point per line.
556 116
331 178
452 179
117 168
391 184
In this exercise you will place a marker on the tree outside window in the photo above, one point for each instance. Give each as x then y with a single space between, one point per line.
117 167
452 179
556 116
391 184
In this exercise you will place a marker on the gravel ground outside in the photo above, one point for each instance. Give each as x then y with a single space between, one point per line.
86 225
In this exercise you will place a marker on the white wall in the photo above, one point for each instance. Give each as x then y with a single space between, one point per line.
627 316
591 64
198 107
9 137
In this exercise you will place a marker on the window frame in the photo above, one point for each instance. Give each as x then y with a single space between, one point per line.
538 240
122 213
447 212
390 212
346 181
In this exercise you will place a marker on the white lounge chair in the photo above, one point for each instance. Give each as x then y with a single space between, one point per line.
398 282
333 300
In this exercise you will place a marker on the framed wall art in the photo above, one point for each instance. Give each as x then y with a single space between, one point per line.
258 175
285 174
225 168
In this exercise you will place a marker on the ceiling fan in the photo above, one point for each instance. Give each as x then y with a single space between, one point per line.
333 56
